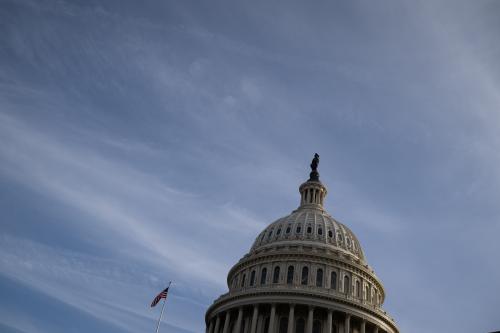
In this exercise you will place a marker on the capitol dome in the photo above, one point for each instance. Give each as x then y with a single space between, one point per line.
305 273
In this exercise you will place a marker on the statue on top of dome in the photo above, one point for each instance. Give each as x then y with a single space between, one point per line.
314 175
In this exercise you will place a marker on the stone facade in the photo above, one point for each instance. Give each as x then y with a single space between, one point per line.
305 273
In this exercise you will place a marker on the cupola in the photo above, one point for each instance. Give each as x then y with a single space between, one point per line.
313 192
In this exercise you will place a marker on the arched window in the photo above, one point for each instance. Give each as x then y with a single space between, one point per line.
297 230
333 280
358 289
309 229
235 281
319 278
252 278
347 288
316 326
266 324
270 234
320 231
289 275
305 275
288 229
330 233
263 276
300 326
278 232
276 274
283 328
243 280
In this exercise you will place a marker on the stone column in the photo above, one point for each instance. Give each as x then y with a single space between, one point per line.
291 318
363 326
375 330
211 326
254 319
272 318
226 322
310 319
238 321
329 321
217 324
347 324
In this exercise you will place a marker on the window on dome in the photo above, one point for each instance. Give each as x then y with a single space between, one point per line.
252 278
305 276
263 276
235 281
289 275
309 229
330 233
347 287
276 275
348 241
320 231
333 280
300 326
283 328
278 232
270 234
288 229
316 326
358 289
243 280
266 324
319 278
297 230
340 237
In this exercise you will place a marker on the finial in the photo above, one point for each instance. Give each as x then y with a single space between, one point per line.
314 175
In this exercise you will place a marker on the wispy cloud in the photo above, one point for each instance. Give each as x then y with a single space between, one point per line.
111 290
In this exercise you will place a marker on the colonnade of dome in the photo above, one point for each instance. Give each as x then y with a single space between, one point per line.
305 273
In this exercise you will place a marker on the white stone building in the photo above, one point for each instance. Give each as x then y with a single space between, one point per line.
305 273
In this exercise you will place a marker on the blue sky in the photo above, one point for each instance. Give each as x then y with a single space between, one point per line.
148 141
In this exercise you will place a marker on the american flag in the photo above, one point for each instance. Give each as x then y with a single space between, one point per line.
161 295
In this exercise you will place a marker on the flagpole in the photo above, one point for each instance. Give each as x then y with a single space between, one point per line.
162 308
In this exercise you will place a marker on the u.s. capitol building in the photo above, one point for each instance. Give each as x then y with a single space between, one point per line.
305 273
